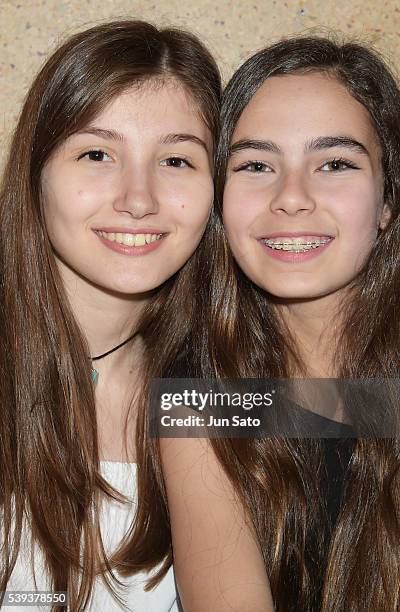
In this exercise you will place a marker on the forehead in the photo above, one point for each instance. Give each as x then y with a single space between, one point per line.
153 106
304 105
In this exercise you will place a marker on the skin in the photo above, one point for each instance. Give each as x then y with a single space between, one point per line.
124 170
334 191
298 189
218 564
135 183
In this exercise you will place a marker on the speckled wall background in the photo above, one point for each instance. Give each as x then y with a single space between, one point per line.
30 29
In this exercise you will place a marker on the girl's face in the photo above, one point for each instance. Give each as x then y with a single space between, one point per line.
127 198
303 200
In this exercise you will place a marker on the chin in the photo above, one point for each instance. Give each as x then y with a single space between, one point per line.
289 291
299 296
138 286
132 289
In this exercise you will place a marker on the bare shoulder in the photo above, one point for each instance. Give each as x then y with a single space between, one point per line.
217 560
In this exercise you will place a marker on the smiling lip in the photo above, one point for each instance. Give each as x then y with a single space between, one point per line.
317 243
284 234
125 249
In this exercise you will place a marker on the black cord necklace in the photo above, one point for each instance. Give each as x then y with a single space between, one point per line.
94 372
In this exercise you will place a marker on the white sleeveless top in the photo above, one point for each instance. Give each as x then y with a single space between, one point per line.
115 520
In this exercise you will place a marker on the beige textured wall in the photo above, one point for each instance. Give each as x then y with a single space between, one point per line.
30 29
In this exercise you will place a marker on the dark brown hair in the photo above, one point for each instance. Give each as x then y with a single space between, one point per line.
49 457
360 568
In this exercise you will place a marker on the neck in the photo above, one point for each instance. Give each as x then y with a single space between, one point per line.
314 325
106 318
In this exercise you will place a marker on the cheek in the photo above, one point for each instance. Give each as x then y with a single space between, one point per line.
357 219
62 213
358 215
68 202
190 204
240 211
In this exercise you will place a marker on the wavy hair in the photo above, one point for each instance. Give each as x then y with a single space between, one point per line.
49 456
358 565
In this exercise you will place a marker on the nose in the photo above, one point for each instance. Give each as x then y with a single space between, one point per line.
137 195
293 196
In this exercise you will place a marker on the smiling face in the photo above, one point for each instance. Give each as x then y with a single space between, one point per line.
303 200
127 199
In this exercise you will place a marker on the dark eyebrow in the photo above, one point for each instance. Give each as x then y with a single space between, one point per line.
316 144
328 142
175 138
102 133
257 145
168 139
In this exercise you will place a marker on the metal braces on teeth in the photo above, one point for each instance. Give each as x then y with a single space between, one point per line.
293 247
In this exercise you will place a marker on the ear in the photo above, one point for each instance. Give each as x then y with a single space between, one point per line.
385 217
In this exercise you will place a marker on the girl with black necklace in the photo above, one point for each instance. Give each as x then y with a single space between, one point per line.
105 197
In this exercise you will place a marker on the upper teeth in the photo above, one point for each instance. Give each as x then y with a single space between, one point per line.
130 239
300 243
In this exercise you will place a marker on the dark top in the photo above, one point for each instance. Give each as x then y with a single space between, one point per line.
337 445
337 453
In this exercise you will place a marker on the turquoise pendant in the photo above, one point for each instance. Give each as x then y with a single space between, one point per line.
95 375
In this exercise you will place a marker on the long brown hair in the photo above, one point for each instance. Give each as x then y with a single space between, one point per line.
49 456
359 566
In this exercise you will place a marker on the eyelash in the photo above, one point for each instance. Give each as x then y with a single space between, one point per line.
87 153
340 160
249 164
177 158
163 162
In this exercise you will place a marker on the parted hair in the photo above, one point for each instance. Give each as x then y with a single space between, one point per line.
49 457
278 479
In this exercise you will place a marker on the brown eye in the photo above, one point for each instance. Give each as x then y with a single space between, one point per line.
256 167
176 162
95 155
338 165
